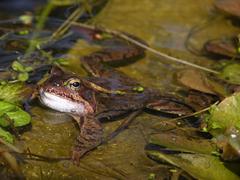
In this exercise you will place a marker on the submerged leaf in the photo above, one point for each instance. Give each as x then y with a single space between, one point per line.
199 100
183 143
194 80
199 81
222 47
200 166
230 7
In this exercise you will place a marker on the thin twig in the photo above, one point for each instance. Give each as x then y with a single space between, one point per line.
195 113
67 23
163 55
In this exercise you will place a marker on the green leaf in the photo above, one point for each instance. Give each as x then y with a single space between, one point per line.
11 92
231 73
19 117
224 124
23 76
61 61
5 121
225 115
64 2
28 69
23 32
26 19
6 135
12 113
17 66
6 107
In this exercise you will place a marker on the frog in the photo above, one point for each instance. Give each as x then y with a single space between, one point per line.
105 94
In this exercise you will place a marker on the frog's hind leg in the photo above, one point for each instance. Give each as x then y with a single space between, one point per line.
170 106
90 136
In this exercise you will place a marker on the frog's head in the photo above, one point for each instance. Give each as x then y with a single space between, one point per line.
65 92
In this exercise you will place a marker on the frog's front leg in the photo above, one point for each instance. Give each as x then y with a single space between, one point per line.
90 136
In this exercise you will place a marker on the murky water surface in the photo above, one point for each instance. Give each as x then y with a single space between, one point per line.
163 24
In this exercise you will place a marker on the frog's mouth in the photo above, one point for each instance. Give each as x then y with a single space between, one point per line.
61 104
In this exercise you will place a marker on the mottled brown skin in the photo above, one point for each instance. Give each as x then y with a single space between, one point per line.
100 94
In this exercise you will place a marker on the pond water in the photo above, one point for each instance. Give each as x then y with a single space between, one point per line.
164 25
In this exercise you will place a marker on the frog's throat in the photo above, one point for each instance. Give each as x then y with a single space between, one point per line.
61 104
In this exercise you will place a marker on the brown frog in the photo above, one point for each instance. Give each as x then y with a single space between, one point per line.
106 94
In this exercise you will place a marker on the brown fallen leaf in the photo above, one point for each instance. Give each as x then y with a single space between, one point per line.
231 7
194 80
222 47
197 80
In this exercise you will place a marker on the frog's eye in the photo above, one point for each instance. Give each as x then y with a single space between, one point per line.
74 84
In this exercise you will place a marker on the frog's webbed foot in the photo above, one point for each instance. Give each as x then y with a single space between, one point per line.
170 106
90 136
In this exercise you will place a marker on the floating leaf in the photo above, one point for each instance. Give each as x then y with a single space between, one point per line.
225 115
61 61
11 92
64 2
23 32
26 19
20 117
6 135
23 76
17 66
6 107
183 143
231 73
23 70
12 113
223 123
